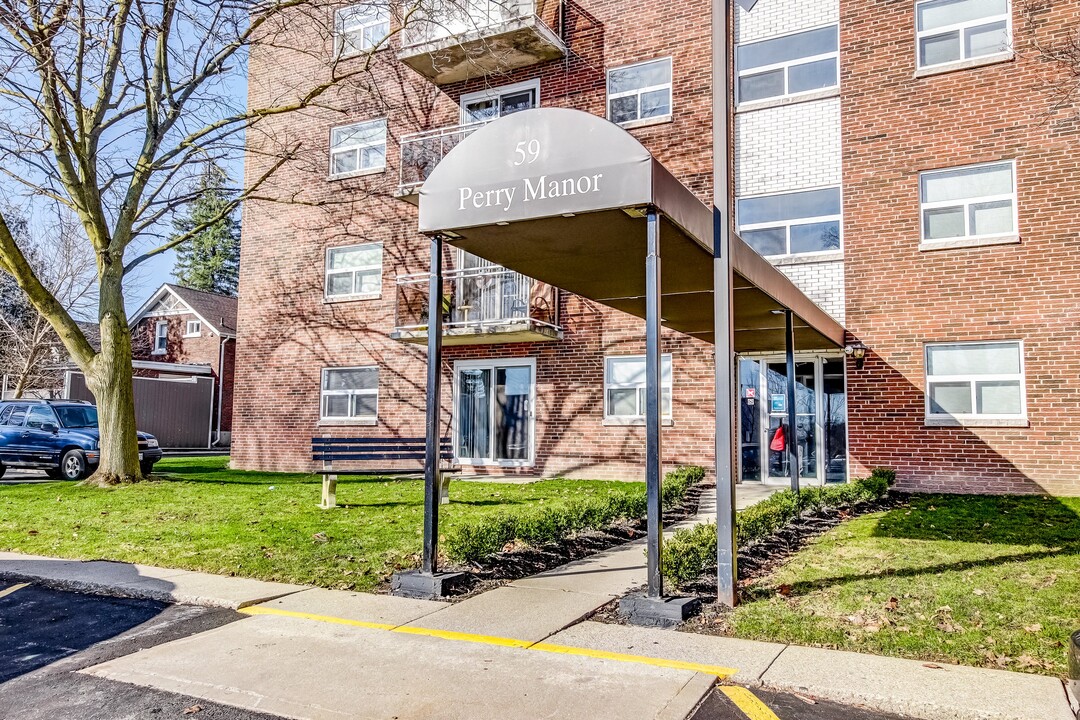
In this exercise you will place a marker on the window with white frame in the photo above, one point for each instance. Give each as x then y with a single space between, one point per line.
968 203
361 27
983 380
788 66
354 271
639 92
161 337
357 148
792 223
350 393
624 387
193 328
486 105
950 31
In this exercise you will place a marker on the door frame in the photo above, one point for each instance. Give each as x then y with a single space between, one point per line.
763 360
494 363
488 93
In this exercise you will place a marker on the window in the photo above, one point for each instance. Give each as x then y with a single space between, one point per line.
640 92
358 148
950 31
193 329
793 223
161 337
975 381
39 416
492 104
350 393
354 271
360 27
972 202
789 65
13 416
624 387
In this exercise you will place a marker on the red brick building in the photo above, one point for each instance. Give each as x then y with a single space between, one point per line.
180 332
896 161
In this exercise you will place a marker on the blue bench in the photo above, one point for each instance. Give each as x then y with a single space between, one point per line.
331 450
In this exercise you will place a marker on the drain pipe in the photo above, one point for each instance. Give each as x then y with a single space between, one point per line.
221 386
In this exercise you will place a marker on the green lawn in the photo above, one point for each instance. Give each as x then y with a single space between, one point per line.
976 580
262 525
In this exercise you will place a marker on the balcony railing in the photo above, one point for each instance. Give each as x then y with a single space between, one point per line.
453 40
480 305
422 151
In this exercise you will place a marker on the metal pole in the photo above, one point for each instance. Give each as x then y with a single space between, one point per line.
726 541
791 441
723 325
652 405
432 481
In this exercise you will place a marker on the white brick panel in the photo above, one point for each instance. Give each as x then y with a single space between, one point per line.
780 17
786 148
822 282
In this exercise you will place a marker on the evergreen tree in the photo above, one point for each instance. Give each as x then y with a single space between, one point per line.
210 261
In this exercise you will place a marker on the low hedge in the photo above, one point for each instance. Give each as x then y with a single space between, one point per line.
478 539
690 551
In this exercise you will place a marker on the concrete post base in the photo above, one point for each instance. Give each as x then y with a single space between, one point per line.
426 586
662 612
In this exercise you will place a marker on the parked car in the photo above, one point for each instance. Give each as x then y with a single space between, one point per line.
60 437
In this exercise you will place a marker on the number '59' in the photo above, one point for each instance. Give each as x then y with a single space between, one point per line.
527 151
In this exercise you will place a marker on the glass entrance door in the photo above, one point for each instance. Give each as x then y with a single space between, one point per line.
494 413
820 433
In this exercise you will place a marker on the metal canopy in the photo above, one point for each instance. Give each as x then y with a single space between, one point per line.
560 195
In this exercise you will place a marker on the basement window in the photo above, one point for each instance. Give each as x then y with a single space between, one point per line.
350 393
975 381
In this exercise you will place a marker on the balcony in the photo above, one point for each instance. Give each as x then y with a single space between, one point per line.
460 39
422 151
481 306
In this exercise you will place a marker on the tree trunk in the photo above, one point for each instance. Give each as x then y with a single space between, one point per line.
109 378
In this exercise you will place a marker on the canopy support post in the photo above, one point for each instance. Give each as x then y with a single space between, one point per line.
653 460
726 541
428 583
791 441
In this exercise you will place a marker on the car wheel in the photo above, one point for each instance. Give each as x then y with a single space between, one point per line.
146 469
73 465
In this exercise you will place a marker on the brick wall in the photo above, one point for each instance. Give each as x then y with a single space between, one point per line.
898 298
288 334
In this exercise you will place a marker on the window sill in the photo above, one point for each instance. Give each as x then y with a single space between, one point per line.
473 462
790 100
806 259
964 64
931 245
351 298
343 422
629 422
159 352
358 173
192 336
634 124
976 422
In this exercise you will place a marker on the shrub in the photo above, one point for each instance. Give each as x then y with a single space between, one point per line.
475 540
690 551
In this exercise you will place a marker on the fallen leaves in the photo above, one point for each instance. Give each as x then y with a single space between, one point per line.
320 537
191 710
1033 628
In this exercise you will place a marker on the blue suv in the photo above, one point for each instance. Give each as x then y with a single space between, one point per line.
60 437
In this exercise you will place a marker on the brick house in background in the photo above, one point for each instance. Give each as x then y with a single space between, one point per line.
900 162
179 333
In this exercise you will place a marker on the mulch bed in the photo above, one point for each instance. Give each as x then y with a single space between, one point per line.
760 559
525 560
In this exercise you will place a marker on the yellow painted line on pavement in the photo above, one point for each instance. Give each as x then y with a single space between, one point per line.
720 672
13 588
749 703
256 610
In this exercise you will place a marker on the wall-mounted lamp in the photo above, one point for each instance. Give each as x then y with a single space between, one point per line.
858 353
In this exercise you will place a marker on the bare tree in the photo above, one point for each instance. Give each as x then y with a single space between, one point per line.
1056 46
108 108
30 350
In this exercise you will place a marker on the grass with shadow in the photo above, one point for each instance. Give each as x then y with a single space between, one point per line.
202 516
991 581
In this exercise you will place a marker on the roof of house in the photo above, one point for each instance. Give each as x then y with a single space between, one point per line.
218 312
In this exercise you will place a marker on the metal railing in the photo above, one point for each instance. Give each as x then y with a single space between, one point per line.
422 151
480 299
450 18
